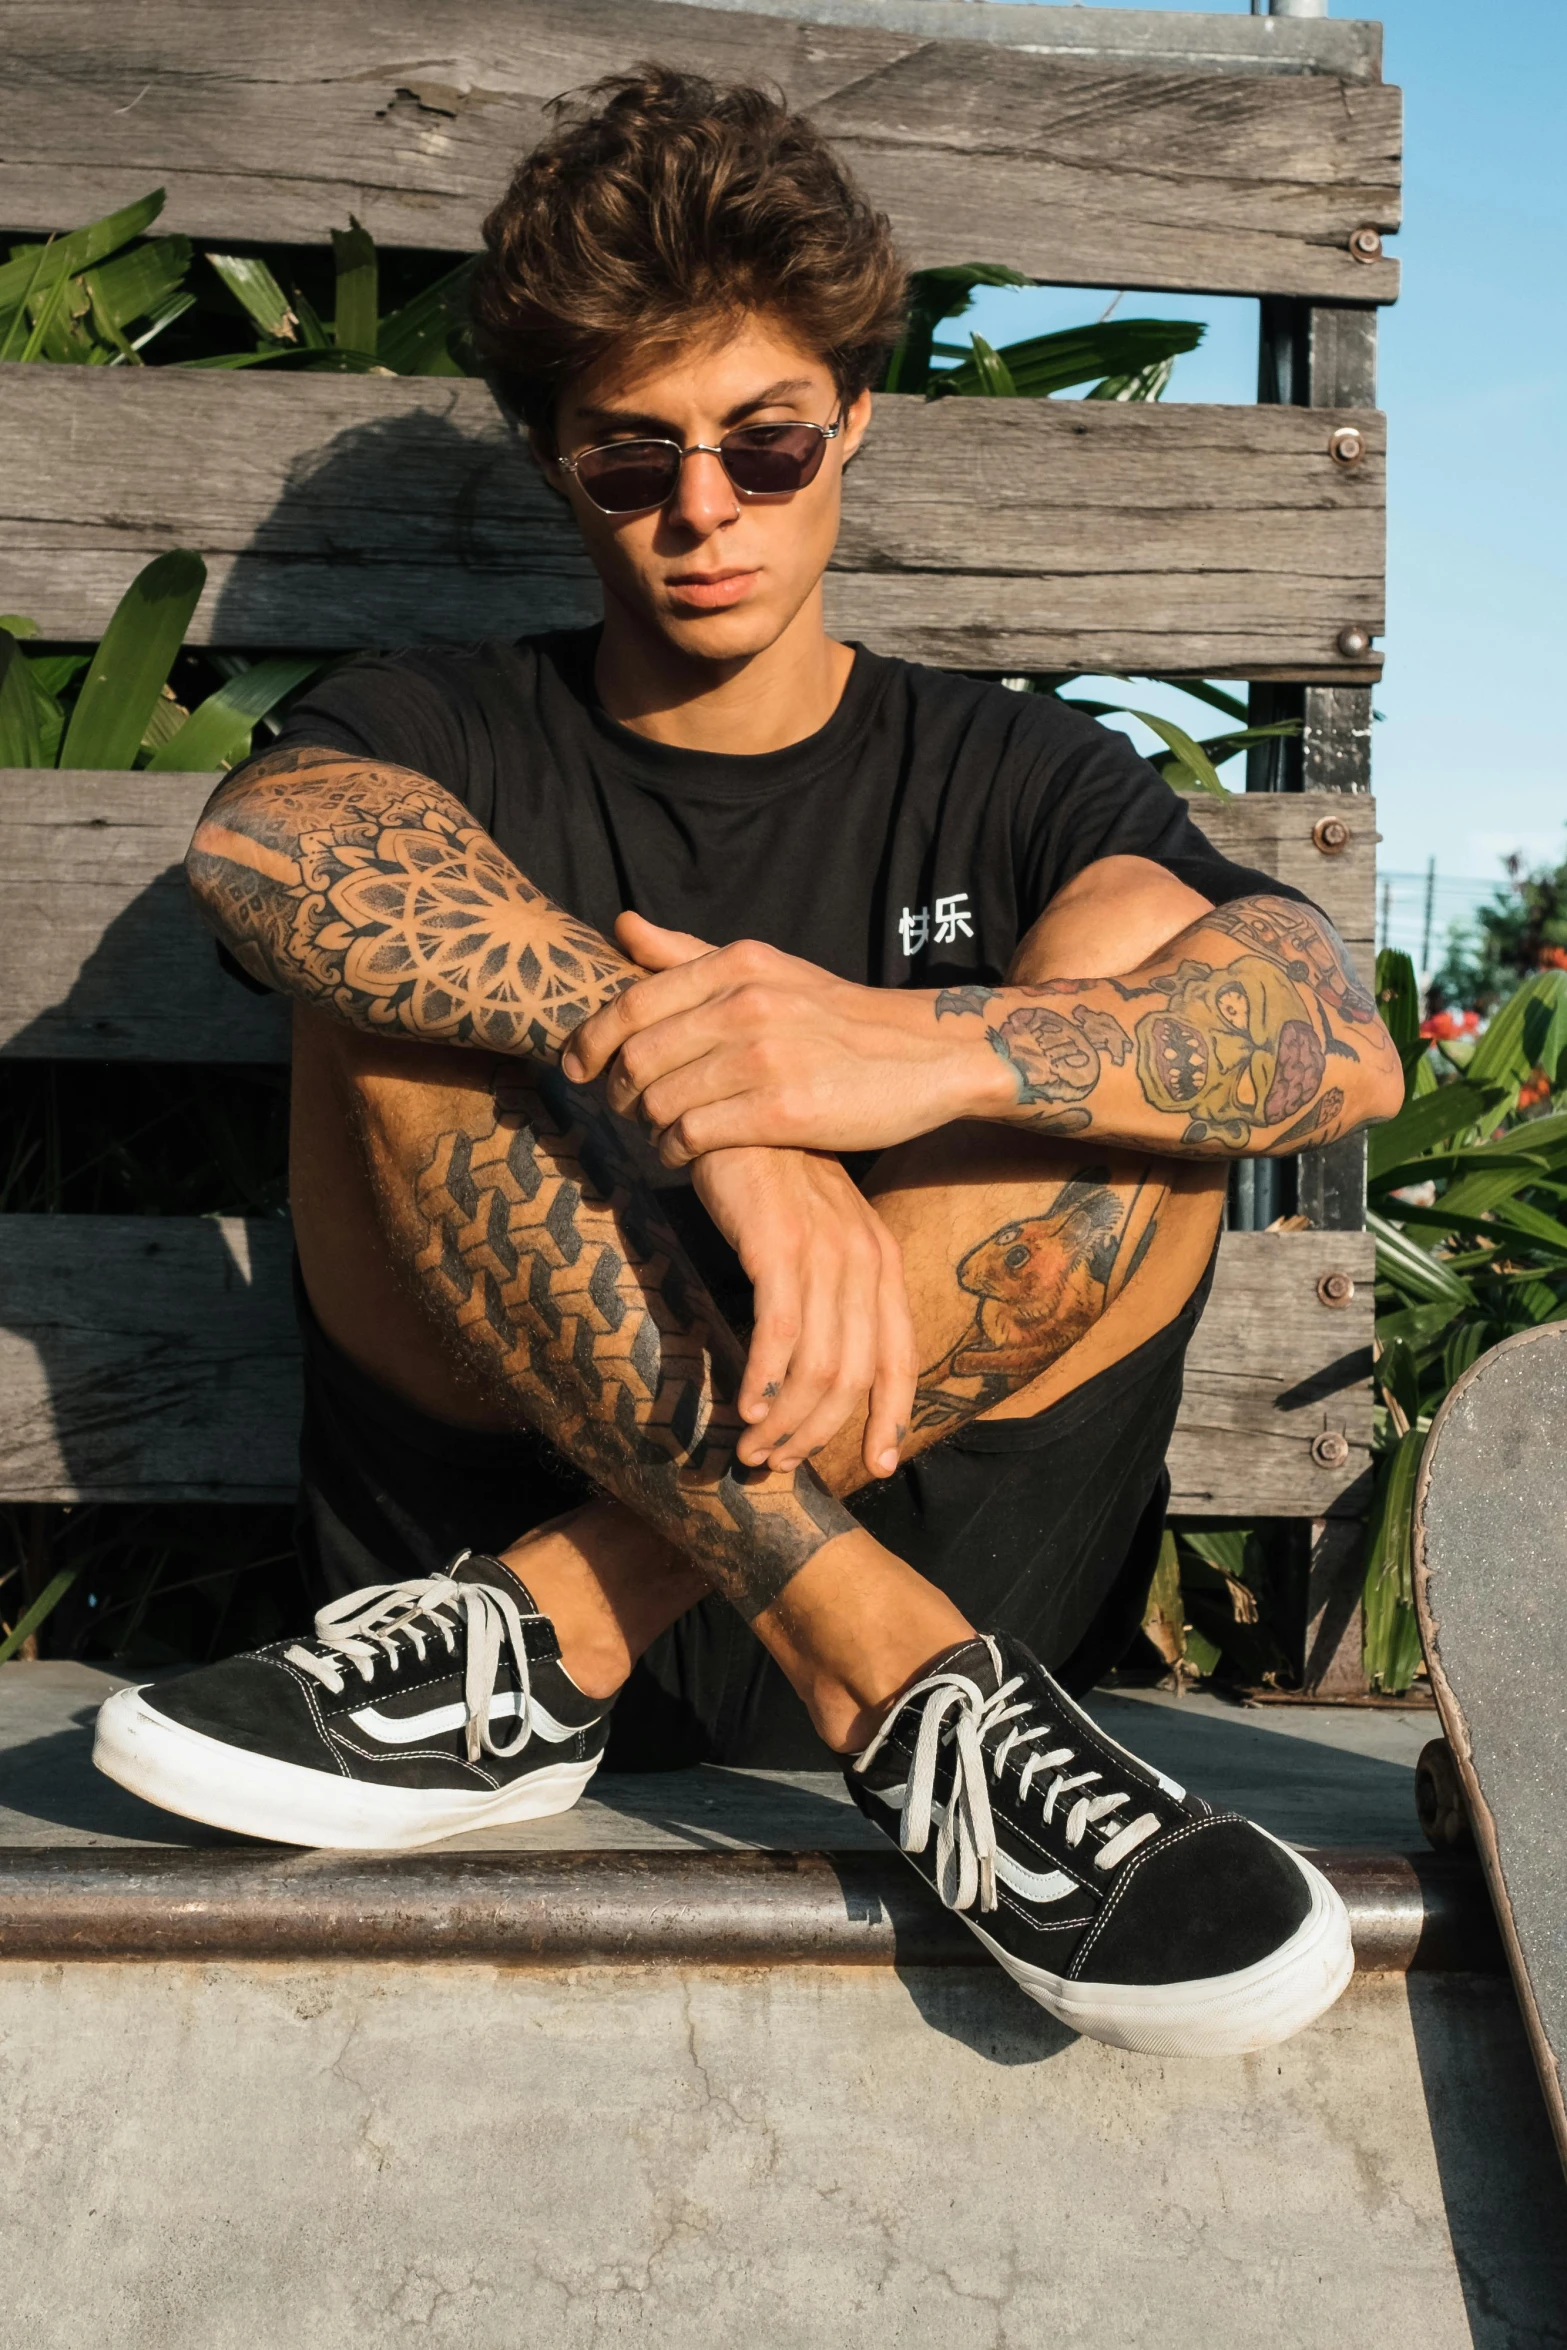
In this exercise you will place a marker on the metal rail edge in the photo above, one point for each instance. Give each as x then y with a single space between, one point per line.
558 1909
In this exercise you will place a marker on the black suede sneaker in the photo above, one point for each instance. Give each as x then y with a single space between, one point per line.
1133 1911
418 1710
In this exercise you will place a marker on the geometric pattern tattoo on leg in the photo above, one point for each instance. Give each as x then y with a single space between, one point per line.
545 1258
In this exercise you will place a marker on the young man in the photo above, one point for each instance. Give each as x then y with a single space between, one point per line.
761 1114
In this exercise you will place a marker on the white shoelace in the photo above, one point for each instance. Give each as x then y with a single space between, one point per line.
955 1714
371 1624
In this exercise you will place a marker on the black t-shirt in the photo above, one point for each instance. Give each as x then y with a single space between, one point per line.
911 842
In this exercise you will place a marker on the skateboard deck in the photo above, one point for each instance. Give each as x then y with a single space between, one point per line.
1490 1571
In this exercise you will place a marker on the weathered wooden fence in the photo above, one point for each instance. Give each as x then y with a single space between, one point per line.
153 1358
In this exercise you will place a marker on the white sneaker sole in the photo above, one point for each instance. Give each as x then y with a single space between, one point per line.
1218 2015
202 1778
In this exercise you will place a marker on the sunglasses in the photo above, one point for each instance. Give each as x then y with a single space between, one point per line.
761 460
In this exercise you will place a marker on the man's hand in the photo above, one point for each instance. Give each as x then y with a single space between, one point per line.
832 1323
832 1315
742 1046
1246 1034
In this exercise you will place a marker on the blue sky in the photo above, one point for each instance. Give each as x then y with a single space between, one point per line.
1469 760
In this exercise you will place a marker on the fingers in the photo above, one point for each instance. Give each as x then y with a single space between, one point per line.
775 1334
814 1353
897 1367
594 1045
679 989
655 948
677 1061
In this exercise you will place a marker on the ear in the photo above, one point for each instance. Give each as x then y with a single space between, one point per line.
856 420
541 448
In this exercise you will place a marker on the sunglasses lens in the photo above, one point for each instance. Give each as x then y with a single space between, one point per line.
625 477
770 460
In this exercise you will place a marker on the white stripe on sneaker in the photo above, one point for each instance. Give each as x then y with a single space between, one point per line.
410 1729
1028 1884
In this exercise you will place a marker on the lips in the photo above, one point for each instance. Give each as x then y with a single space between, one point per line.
1180 1057
714 590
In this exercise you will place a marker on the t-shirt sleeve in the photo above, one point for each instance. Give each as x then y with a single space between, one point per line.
1091 795
403 709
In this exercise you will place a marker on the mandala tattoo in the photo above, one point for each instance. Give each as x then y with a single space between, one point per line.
1039 1285
371 891
546 1262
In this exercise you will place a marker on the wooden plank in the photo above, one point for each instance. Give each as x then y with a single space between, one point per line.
1127 36
103 958
1271 1372
146 1358
278 123
154 1359
1277 833
341 511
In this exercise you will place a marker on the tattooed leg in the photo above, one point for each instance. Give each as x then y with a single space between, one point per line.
515 1212
1033 1263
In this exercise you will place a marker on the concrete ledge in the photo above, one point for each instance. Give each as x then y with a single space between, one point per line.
554 1909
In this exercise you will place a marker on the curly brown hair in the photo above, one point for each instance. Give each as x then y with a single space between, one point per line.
661 205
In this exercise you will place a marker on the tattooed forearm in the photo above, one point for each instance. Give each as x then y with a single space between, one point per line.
544 1261
1039 1285
370 891
1232 1030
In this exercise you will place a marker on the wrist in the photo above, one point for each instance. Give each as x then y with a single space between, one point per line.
973 1080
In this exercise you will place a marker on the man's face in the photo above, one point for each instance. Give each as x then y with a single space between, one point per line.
720 576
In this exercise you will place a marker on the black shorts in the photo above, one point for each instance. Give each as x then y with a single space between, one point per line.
1046 1528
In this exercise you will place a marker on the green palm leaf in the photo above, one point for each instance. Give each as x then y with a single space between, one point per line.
1392 1631
256 289
131 666
217 733
416 340
20 744
1421 1124
1528 1033
1190 756
1044 364
356 319
1414 1270
32 273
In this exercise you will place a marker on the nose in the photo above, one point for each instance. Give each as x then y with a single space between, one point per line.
704 497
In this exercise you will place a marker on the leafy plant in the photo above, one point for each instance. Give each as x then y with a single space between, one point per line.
102 295
1186 763
97 296
1124 359
115 707
1468 1200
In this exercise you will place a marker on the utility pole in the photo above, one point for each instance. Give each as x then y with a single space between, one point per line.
1425 928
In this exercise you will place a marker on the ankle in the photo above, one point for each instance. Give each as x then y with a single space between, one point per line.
609 1585
847 1719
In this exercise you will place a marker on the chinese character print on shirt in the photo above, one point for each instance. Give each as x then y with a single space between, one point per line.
952 922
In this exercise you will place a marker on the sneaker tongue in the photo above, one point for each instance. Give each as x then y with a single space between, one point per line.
476 1566
976 1659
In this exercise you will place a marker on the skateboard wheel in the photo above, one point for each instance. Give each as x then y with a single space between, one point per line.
1439 1797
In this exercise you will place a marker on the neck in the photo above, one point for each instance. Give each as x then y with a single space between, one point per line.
762 702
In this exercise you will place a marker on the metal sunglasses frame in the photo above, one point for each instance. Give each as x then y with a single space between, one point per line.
829 432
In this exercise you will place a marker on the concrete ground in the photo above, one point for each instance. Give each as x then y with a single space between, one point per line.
384 2158
290 2156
